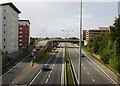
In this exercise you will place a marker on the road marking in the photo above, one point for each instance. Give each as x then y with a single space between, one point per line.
49 75
93 80
88 73
100 68
46 80
13 67
39 72
81 64
51 71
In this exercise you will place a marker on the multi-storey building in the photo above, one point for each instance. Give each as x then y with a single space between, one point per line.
94 33
104 28
9 27
24 33
84 35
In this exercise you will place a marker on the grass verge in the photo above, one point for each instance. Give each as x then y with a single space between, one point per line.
100 61
68 70
42 55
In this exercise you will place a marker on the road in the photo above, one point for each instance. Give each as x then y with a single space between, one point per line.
54 76
90 73
26 74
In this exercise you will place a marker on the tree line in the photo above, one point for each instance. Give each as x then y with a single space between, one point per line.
107 45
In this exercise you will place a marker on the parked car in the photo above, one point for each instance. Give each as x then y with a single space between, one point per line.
46 68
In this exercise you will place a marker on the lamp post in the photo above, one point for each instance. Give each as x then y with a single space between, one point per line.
79 67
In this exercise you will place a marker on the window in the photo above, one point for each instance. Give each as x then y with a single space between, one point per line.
4 39
4 25
4 31
20 36
20 28
26 24
20 32
20 40
4 17
20 44
4 46
4 10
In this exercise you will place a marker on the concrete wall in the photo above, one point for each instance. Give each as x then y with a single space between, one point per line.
10 26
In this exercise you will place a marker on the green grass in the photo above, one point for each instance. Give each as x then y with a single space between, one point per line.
68 69
41 56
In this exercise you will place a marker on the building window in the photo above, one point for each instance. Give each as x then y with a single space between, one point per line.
4 46
4 25
20 32
20 44
4 10
20 36
4 17
20 28
20 40
4 31
26 24
4 39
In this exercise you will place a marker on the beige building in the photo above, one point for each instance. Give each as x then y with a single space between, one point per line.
94 33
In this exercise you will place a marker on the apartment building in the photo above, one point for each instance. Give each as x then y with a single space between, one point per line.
84 35
24 33
94 33
9 27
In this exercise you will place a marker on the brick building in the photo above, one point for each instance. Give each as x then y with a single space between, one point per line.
24 33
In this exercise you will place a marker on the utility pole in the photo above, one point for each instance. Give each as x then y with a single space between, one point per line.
79 67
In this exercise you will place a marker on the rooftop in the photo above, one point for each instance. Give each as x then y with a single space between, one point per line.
25 20
11 5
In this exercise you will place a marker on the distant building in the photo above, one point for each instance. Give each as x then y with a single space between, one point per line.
94 33
24 33
84 35
9 27
104 28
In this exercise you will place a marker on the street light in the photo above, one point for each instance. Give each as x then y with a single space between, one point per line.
79 72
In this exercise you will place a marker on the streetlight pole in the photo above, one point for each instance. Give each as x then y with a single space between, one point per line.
79 72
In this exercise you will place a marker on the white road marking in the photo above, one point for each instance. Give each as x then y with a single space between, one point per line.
49 75
13 67
84 68
88 73
100 69
81 64
93 80
46 80
51 71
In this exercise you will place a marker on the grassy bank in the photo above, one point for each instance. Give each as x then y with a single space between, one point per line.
42 55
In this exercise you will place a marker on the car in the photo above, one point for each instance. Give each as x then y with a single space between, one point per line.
46 68
32 54
54 48
82 55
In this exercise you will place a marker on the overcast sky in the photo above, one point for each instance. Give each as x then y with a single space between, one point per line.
48 19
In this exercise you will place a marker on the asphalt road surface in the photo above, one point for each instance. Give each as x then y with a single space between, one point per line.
26 74
90 74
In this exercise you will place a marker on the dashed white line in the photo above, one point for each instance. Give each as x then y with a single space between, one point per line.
93 80
46 80
88 73
49 75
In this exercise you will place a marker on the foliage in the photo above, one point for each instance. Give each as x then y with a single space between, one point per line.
107 45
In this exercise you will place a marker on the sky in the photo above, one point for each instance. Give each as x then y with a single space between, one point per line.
49 18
